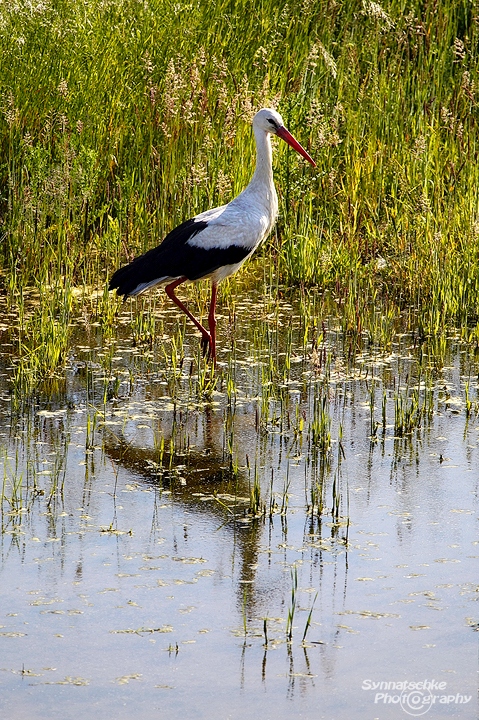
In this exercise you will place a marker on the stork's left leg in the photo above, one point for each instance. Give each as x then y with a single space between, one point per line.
206 342
212 321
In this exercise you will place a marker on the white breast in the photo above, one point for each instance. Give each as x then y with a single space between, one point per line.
246 221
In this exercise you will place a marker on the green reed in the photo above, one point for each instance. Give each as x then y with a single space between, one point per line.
119 119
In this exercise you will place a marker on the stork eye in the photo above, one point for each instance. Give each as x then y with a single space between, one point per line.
273 123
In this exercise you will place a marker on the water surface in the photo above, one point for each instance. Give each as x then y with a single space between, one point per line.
137 581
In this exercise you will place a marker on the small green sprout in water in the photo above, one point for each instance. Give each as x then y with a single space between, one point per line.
321 423
285 496
256 504
468 401
308 621
292 608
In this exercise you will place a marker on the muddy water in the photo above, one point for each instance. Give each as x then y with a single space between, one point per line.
136 579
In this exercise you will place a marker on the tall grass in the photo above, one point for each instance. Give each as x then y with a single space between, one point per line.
120 118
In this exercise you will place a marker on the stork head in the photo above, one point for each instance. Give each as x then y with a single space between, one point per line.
271 122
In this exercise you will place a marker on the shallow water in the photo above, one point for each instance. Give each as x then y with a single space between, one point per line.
136 579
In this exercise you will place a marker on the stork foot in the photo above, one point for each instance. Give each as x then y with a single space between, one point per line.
208 348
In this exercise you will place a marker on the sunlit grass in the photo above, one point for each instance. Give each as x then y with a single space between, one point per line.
120 119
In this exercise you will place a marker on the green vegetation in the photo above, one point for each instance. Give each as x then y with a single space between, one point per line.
120 118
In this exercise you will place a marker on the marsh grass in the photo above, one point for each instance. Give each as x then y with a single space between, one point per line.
120 119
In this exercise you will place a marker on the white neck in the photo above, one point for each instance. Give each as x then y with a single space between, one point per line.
263 174
259 197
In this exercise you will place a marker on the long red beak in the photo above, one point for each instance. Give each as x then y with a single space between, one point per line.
292 142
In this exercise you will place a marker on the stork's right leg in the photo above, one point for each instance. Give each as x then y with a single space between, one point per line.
212 321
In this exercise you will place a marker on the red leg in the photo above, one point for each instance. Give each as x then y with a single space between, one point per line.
206 339
212 321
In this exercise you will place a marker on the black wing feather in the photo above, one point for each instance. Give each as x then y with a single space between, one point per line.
175 257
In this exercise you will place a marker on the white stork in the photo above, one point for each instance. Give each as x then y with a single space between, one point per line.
214 243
